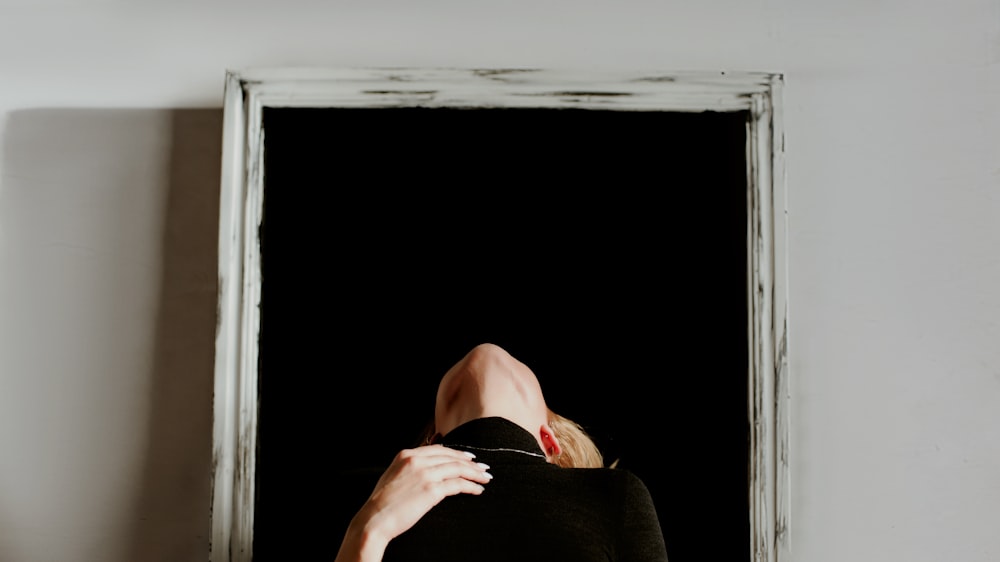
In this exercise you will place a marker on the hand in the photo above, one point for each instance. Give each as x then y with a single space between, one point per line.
416 480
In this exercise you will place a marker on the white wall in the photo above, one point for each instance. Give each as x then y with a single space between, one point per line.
108 202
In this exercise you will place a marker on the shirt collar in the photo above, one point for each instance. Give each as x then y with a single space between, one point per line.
495 437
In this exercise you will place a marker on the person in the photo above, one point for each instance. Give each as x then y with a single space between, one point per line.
502 478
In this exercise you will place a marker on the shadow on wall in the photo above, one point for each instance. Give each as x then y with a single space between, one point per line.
109 251
171 514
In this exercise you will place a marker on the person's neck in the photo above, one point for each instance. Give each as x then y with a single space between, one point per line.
483 402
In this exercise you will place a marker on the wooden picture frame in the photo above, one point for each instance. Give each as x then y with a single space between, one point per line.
247 93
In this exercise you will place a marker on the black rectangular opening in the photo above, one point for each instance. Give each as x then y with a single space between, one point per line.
605 249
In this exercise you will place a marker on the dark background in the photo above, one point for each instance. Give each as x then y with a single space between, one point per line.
604 249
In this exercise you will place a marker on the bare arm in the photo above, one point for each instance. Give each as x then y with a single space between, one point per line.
417 480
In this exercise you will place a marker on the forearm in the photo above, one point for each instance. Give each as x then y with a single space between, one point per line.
361 542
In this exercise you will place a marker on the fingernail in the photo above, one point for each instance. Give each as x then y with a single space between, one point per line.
470 455
487 475
483 465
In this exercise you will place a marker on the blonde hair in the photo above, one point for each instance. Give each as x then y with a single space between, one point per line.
578 449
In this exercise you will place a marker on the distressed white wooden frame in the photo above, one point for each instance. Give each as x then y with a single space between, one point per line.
248 92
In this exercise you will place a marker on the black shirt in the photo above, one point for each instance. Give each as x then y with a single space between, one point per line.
534 510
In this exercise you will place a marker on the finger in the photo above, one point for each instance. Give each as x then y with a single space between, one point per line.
431 452
418 458
443 450
477 472
457 486
411 469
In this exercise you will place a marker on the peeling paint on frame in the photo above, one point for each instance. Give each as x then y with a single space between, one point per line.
248 92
